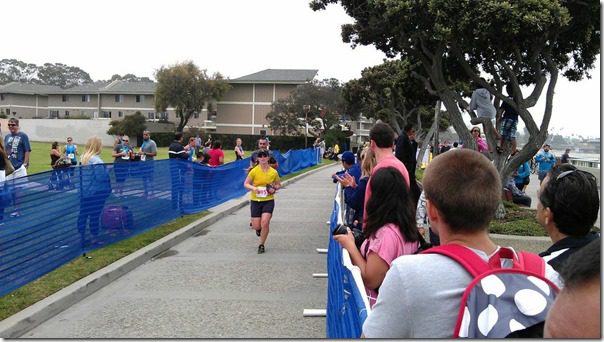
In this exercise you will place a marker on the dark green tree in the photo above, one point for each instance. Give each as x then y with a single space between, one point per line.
62 75
131 125
312 101
390 93
528 42
188 89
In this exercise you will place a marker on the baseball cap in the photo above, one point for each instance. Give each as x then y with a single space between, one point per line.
348 157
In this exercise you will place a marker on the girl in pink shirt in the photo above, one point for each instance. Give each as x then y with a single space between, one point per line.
389 227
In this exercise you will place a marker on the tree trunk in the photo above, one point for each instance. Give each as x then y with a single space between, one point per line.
425 142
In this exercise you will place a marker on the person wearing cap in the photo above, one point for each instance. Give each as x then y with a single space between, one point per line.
262 181
350 167
18 149
546 160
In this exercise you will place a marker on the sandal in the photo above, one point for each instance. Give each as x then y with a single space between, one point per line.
260 249
258 232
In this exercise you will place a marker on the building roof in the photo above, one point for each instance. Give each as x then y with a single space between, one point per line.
88 88
28 88
280 76
290 76
125 87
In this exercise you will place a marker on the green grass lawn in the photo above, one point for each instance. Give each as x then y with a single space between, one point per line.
39 159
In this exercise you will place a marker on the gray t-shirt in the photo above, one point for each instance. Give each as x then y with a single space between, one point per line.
149 146
420 297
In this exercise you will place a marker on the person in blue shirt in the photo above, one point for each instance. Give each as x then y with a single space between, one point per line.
546 160
354 190
18 149
350 167
522 179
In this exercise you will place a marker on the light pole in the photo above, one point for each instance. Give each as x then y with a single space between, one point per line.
306 109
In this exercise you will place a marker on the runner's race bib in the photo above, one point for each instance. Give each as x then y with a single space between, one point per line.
70 155
143 157
261 192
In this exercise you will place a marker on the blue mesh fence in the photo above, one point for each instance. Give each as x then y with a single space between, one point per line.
346 309
67 212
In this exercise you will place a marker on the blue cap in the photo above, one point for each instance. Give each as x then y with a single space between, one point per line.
348 157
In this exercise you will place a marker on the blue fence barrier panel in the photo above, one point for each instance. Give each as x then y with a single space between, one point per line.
346 310
66 212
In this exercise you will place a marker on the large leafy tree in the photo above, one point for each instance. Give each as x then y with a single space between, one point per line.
131 125
390 93
310 101
523 43
187 89
12 70
62 75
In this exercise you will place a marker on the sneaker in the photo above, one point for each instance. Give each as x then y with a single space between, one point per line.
260 249
258 232
15 214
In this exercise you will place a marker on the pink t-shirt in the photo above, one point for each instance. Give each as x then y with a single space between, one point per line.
390 161
215 155
388 244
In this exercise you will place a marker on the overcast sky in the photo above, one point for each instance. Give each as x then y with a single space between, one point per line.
233 37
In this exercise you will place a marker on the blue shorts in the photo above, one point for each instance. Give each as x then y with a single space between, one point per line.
260 207
508 129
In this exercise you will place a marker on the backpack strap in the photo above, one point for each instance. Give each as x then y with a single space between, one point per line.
532 263
471 261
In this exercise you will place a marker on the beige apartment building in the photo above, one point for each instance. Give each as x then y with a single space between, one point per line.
241 111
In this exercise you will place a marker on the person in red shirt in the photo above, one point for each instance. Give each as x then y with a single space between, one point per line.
216 154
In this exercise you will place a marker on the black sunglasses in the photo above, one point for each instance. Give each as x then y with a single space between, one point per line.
11 125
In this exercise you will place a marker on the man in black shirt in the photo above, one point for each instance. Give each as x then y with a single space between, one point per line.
177 151
568 208
406 151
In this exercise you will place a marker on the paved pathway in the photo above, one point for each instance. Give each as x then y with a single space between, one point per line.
215 284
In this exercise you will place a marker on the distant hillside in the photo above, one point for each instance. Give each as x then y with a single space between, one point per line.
57 74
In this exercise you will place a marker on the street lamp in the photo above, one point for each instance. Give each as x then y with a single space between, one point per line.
306 109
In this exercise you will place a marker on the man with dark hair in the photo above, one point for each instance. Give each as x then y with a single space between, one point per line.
509 121
406 152
177 151
567 209
420 295
576 311
546 160
565 157
381 141
17 148
263 144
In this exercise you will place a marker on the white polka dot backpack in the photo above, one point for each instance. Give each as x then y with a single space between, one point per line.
501 301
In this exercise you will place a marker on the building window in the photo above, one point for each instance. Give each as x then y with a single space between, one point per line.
14 113
140 98
120 114
150 115
196 115
7 111
65 98
66 113
163 116
54 114
119 98
106 115
1 97
85 98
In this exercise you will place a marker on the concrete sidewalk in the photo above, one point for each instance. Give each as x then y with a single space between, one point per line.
215 285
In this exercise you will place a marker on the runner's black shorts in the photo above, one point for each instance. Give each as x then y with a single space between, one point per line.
260 207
